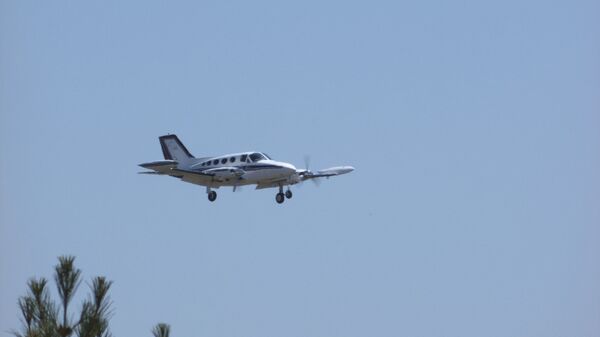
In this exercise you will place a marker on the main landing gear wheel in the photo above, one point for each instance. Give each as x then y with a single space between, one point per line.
212 196
279 197
288 194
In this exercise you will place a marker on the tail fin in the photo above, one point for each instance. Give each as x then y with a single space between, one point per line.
173 149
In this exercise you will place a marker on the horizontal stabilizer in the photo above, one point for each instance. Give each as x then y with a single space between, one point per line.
161 165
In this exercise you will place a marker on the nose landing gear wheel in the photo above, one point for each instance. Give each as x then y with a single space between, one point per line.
212 196
279 197
288 194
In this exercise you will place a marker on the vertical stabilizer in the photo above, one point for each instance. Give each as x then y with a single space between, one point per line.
173 149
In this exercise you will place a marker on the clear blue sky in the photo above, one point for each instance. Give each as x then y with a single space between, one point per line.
474 128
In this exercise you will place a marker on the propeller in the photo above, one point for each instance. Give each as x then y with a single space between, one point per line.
316 181
307 173
307 161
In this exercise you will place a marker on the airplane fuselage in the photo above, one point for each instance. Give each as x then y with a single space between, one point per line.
238 169
250 172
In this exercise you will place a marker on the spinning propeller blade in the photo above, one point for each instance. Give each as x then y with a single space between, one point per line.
307 173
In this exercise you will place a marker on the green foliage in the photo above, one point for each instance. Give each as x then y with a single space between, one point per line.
96 311
67 281
161 330
40 314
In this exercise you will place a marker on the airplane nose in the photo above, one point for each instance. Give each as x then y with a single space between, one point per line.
288 166
291 167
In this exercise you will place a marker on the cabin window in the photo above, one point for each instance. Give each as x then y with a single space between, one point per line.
232 160
216 162
223 161
243 158
257 156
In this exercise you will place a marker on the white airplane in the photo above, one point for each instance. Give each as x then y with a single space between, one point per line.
238 169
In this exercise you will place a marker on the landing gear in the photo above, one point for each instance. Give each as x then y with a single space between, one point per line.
280 197
212 196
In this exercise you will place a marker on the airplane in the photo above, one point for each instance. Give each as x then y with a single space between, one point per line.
233 170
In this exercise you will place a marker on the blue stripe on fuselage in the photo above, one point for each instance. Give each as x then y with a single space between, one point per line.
248 167
258 167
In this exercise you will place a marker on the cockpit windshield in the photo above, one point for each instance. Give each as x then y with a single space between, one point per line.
256 156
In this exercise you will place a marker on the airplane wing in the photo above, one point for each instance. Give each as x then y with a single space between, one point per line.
225 172
194 177
179 172
271 183
306 175
326 173
207 177
169 167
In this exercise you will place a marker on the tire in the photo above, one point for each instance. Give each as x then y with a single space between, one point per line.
288 194
280 198
212 196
